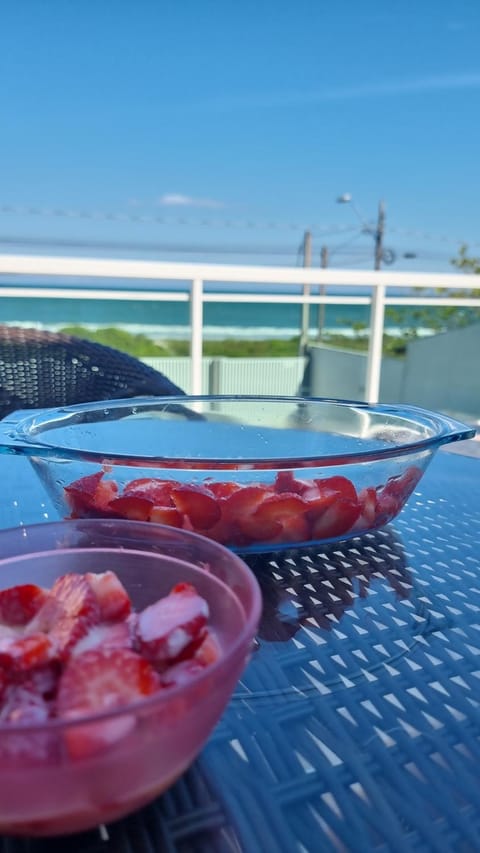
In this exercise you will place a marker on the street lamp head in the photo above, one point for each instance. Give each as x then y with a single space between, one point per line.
345 198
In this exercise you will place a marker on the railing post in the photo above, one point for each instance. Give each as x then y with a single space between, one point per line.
375 346
196 335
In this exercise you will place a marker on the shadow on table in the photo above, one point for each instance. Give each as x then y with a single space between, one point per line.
315 586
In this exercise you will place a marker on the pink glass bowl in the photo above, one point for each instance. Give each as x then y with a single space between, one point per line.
43 791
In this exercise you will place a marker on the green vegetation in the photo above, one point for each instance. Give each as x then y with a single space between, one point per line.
141 346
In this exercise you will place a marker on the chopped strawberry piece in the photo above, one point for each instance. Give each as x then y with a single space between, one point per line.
22 704
111 596
166 515
110 635
209 651
102 680
134 507
173 627
19 604
198 503
91 494
336 520
77 596
69 611
181 673
42 680
25 653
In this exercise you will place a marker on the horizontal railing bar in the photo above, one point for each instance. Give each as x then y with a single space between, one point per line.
97 293
39 265
456 302
292 297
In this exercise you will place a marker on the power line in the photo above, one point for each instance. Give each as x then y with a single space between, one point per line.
112 216
142 218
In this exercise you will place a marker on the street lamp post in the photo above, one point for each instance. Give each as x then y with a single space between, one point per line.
377 232
377 310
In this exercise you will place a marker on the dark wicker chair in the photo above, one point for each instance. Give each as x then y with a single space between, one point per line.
40 369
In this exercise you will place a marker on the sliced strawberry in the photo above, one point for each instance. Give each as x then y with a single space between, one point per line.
19 604
387 507
281 506
244 502
111 596
173 627
336 520
267 524
318 500
339 484
367 500
223 490
295 528
198 503
101 680
134 507
255 529
286 482
25 653
166 515
401 487
157 491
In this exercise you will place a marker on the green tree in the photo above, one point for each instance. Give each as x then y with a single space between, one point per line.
443 318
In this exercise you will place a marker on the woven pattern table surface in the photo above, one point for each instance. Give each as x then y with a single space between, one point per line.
356 724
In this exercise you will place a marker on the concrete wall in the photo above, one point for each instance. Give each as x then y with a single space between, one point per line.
440 372
443 371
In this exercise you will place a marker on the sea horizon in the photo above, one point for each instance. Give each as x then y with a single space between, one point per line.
170 320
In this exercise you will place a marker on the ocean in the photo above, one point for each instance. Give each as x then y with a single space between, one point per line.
170 320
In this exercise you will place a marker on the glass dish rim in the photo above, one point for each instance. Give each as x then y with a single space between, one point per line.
15 432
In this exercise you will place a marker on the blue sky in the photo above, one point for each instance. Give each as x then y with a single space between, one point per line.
202 115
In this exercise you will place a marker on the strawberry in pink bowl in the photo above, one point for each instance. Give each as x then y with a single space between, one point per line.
120 645
252 473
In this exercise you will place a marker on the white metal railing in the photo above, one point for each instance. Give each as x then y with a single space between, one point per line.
196 275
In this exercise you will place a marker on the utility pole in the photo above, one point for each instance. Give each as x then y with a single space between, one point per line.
378 236
321 307
307 262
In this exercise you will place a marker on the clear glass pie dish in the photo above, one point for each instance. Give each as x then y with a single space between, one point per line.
253 473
